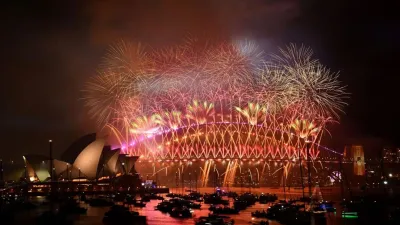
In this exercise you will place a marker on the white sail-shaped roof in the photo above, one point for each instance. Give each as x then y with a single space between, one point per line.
112 162
88 160
37 166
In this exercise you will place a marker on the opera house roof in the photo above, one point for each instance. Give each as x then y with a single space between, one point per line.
87 157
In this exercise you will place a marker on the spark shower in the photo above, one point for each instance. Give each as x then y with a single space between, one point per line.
212 100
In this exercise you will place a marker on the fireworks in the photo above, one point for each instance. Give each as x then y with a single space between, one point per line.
215 100
312 88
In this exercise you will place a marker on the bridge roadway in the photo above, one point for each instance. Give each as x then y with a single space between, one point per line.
75 188
239 159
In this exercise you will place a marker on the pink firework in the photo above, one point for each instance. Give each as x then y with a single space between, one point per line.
215 99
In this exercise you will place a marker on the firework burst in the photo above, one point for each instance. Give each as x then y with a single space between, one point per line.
208 99
311 87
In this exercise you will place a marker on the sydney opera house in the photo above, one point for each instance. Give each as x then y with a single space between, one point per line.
88 158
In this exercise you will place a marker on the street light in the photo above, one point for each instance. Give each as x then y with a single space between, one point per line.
195 174
190 181
390 175
51 159
308 145
67 171
385 182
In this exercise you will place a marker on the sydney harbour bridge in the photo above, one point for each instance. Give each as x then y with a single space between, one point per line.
234 154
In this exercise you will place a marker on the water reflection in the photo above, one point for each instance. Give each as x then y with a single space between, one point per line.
95 215
154 217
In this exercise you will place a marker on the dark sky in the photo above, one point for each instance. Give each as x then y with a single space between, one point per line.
49 49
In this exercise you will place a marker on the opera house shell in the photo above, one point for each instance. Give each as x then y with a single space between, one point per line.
88 157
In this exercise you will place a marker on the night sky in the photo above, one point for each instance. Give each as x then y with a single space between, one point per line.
49 50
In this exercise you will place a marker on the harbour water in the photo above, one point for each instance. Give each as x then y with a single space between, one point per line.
95 215
154 217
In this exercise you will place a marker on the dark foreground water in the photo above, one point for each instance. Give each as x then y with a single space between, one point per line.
157 218
94 215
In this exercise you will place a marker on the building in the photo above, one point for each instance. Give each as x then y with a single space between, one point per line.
391 155
87 158
355 154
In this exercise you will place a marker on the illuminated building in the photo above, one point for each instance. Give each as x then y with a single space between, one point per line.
355 153
87 158
390 155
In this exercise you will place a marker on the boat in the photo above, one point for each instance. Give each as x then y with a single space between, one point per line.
317 209
164 206
200 199
192 196
138 203
215 200
167 206
181 212
289 213
248 197
181 202
259 214
135 202
266 198
214 220
328 206
193 205
240 204
280 210
172 195
223 210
